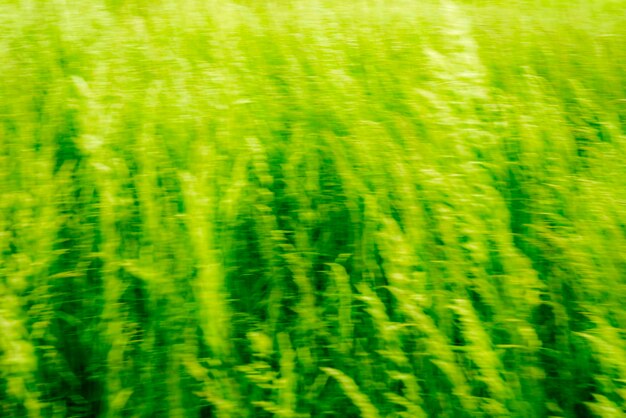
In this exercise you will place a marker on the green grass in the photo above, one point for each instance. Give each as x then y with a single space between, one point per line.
362 208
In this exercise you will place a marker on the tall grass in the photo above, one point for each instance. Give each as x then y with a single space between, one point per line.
312 208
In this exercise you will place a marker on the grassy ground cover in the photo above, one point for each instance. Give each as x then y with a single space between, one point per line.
364 208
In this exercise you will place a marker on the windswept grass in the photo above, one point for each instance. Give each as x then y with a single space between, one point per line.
215 208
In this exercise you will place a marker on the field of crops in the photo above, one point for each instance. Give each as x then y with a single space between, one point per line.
312 208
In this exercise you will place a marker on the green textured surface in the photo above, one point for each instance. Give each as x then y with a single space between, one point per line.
318 208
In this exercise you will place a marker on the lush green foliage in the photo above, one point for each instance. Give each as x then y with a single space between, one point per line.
372 208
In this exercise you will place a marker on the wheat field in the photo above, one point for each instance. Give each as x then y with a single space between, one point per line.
312 208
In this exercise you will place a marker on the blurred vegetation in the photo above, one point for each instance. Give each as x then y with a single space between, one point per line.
364 208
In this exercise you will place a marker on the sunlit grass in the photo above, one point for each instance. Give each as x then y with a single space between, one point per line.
312 208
